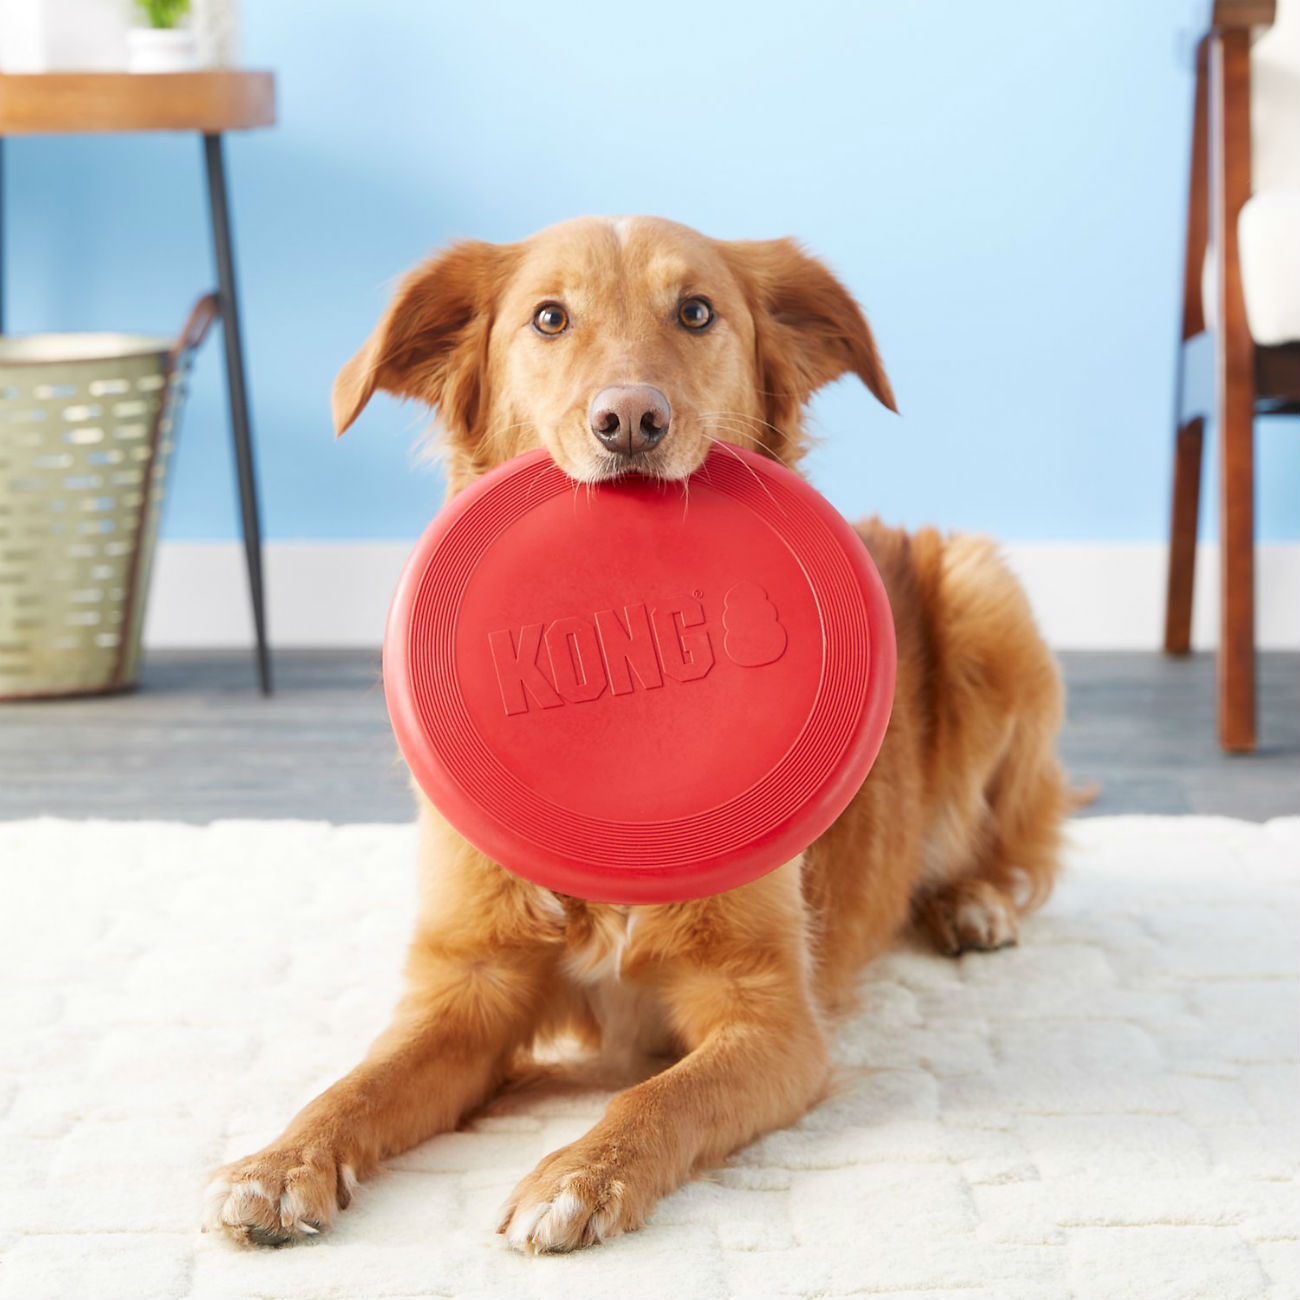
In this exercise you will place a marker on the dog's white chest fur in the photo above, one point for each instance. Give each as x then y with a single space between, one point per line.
630 1015
596 941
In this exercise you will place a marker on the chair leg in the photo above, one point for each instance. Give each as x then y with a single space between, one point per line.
1182 537
1237 574
1189 436
1235 366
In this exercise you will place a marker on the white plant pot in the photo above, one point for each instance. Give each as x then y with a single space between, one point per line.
161 49
63 35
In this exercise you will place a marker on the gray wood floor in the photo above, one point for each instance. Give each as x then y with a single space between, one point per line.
196 742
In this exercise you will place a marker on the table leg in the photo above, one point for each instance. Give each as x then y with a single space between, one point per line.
239 423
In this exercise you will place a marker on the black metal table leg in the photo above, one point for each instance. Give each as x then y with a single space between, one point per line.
239 423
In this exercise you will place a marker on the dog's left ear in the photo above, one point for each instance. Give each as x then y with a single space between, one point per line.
431 343
810 330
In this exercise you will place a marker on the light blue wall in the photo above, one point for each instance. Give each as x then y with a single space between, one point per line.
1000 183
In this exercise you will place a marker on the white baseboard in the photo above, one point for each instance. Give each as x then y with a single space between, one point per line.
1111 595
1088 595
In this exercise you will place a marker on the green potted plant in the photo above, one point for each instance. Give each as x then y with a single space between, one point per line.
163 45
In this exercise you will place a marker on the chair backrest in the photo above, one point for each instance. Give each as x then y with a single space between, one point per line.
1275 102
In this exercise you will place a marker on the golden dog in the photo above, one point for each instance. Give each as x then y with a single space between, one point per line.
622 345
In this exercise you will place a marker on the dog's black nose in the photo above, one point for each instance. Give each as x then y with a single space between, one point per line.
628 418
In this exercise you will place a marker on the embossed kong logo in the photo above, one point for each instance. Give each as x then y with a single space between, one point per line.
754 632
637 649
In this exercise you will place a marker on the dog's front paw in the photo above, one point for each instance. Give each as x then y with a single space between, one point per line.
278 1195
571 1199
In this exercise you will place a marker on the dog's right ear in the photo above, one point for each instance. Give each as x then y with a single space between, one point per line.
432 341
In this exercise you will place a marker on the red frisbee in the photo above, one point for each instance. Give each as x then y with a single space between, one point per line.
640 692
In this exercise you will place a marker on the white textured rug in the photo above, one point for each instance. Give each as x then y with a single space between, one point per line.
1108 1111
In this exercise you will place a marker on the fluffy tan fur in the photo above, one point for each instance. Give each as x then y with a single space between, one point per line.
955 830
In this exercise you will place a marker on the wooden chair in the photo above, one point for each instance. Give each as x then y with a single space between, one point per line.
1256 343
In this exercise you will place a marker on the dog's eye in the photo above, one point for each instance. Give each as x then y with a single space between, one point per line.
695 313
550 318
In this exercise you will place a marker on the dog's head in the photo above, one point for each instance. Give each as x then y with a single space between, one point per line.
617 344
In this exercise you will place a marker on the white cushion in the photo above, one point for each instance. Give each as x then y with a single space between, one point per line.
1268 230
1268 247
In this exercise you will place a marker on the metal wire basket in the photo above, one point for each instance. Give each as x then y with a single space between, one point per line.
87 423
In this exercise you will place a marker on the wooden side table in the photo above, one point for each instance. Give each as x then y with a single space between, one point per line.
210 103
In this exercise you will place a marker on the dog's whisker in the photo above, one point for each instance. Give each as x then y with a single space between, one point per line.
767 392
745 418
741 432
740 436
731 451
502 429
732 431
